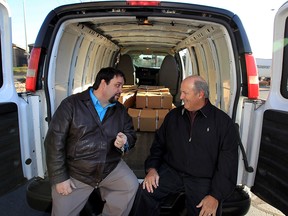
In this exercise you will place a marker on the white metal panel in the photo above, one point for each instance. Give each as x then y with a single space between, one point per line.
275 100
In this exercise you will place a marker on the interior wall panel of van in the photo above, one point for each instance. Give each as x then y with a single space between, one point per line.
211 72
64 65
225 73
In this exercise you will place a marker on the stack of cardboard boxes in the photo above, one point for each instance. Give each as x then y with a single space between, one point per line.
128 96
147 105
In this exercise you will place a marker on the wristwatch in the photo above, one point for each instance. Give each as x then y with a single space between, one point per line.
122 148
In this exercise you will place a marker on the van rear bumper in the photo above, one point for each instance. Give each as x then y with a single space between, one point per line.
38 194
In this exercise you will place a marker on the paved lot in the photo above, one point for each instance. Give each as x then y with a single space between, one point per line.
15 204
263 93
260 208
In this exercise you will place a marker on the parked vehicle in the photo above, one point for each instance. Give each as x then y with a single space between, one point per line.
76 40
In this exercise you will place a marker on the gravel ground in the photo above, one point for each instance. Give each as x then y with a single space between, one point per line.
260 208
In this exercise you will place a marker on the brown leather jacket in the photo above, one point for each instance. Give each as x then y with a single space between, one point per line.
79 145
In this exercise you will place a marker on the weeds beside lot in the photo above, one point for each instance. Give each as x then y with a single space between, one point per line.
20 69
20 78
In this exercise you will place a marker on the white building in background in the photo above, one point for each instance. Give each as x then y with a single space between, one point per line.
264 67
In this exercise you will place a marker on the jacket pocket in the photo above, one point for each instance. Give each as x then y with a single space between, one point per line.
88 149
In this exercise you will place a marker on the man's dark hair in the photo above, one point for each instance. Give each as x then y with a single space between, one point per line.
107 74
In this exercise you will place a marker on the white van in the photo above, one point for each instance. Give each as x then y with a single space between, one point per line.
76 40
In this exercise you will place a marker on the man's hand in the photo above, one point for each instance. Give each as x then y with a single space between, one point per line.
120 140
208 206
65 188
151 180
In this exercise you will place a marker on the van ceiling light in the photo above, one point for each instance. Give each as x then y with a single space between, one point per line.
144 21
142 3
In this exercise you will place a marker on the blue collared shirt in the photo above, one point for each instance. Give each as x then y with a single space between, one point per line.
100 110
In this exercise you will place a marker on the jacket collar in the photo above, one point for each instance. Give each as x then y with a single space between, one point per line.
205 110
85 95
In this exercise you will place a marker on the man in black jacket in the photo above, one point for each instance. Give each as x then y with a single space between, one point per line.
85 141
196 151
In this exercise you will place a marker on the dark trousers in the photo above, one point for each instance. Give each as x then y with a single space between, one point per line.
172 182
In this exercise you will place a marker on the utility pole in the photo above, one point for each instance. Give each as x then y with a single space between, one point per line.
26 44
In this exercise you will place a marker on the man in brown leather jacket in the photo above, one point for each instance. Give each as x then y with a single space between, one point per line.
87 136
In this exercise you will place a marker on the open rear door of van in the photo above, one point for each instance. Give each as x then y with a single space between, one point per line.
20 157
11 172
271 174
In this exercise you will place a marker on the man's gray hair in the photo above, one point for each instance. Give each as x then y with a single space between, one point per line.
201 85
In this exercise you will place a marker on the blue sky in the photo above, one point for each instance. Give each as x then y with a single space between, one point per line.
257 17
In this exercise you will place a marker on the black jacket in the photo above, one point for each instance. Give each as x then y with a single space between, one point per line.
208 149
78 144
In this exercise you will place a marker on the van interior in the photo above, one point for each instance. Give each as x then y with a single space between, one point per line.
157 51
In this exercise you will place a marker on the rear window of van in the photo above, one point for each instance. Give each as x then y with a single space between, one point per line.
147 61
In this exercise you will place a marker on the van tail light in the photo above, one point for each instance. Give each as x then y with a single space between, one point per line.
143 3
252 77
32 72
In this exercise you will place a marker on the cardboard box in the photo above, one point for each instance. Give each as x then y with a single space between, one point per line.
152 88
160 113
127 88
128 98
158 100
135 114
173 106
147 119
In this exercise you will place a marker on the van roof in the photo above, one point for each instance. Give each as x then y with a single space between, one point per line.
144 25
